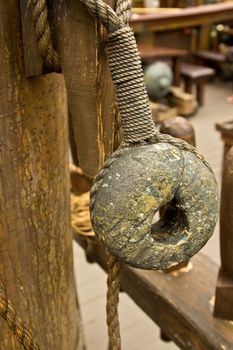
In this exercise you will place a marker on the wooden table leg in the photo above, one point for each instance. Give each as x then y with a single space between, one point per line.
176 65
200 92
188 85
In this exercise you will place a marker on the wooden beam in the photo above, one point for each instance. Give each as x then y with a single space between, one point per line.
224 288
180 302
80 41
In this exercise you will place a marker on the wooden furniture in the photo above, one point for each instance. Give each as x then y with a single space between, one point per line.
224 290
150 53
202 17
204 56
198 76
195 16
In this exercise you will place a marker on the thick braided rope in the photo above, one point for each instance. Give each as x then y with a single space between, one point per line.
127 75
113 283
43 35
15 323
108 17
123 10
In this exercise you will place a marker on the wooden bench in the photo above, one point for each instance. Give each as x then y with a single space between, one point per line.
209 56
196 75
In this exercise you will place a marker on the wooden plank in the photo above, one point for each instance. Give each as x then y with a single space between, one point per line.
224 289
35 243
80 41
180 302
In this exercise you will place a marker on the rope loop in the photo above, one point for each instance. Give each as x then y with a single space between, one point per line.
43 35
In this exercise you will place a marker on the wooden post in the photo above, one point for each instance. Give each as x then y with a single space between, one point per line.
35 238
81 41
224 290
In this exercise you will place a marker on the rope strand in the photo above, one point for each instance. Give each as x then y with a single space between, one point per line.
113 282
15 323
123 10
43 35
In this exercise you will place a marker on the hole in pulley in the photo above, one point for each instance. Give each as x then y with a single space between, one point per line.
171 224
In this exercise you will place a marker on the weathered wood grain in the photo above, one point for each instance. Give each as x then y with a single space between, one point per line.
35 240
224 289
80 41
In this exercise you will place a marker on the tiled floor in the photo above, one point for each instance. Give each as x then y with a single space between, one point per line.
137 330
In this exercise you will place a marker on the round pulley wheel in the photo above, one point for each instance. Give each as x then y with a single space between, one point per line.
140 182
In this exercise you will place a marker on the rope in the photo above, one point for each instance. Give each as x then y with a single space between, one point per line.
80 215
113 283
43 35
108 17
15 323
123 10
127 75
80 221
